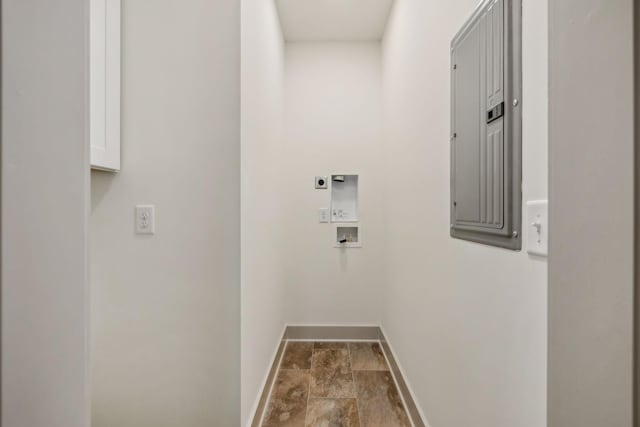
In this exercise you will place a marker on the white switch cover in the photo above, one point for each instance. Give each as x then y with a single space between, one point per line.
537 227
323 215
145 219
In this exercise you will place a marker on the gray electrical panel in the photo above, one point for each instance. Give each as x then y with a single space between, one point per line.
486 135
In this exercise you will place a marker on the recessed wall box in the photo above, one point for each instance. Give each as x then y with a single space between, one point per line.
344 198
347 237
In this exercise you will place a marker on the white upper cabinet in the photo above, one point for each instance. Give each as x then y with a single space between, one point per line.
105 84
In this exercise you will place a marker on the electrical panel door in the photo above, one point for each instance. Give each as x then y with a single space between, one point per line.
485 139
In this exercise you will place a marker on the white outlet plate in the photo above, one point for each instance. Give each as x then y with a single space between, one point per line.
145 219
537 226
324 215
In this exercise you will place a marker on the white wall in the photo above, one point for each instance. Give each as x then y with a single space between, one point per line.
165 308
45 203
591 289
263 297
636 53
468 322
333 125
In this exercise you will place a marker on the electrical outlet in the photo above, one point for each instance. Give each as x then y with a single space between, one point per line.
145 219
321 183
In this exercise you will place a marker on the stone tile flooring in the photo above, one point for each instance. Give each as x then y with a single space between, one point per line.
327 384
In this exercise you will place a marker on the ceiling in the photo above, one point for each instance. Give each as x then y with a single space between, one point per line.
333 20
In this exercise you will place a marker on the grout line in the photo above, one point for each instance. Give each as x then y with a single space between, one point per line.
333 398
355 386
372 370
306 410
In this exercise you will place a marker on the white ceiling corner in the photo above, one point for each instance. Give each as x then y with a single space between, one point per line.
333 20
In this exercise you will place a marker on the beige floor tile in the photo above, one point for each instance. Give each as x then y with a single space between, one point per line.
332 412
287 406
297 355
331 374
327 345
379 401
367 356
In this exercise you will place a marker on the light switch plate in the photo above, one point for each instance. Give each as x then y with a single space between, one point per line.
145 219
537 227
323 215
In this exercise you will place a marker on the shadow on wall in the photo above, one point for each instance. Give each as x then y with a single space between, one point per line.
101 182
344 260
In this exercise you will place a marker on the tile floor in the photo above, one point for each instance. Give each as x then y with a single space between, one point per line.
334 384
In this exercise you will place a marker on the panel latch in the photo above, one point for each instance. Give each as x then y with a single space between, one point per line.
495 113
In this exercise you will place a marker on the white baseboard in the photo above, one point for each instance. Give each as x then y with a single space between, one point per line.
411 403
333 332
258 406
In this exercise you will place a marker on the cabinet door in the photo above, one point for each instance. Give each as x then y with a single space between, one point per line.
104 71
